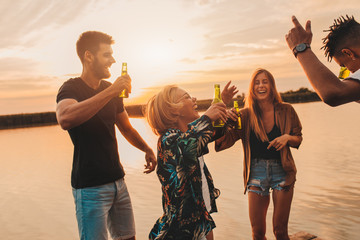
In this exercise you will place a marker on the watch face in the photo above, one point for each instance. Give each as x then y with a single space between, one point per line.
301 47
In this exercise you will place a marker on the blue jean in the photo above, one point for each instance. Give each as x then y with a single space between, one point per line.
104 207
266 174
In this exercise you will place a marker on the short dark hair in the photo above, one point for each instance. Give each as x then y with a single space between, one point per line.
90 41
345 32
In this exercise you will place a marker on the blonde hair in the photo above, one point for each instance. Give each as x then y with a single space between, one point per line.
162 110
254 109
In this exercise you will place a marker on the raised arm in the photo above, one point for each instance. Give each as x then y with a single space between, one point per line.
71 113
331 90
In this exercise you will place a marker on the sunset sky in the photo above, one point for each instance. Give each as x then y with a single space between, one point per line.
192 43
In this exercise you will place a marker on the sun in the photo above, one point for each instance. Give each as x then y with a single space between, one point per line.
149 62
158 53
154 57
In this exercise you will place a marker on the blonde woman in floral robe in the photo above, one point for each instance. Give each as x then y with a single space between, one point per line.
188 192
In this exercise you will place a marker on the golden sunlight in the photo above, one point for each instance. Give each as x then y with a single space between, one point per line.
150 61
158 54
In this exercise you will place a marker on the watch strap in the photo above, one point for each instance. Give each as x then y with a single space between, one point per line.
295 51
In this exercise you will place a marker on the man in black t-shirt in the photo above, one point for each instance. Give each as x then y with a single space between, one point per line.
88 107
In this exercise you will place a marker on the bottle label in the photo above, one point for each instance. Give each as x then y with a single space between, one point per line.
124 93
344 73
218 123
217 99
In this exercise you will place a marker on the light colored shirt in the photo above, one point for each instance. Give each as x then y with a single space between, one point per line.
205 186
355 75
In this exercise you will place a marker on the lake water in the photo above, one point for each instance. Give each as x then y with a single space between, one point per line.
36 200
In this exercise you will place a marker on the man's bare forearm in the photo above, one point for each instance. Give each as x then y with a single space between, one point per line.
71 113
134 138
326 83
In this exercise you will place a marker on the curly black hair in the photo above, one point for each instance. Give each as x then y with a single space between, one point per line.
344 32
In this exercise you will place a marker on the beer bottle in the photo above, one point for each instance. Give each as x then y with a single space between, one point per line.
344 73
217 98
236 106
124 93
235 124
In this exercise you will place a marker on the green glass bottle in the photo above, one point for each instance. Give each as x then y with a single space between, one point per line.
217 99
124 93
235 124
236 106
344 73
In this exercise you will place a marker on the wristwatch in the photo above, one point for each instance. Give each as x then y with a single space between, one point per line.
300 48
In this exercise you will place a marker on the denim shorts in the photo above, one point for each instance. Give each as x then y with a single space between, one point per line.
103 208
266 174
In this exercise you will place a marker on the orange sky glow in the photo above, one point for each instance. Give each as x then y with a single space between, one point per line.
192 43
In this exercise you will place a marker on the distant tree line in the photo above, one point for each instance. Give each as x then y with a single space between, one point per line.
300 96
49 118
27 120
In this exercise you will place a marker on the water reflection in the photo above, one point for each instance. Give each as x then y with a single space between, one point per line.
36 200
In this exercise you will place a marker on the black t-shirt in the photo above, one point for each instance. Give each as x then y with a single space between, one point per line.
259 148
96 160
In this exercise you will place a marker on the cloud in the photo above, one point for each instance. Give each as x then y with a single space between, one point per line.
28 104
261 24
19 78
22 21
28 86
215 39
202 3
208 2
188 60
27 26
248 52
249 45
14 65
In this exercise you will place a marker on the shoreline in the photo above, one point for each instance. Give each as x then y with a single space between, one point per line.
25 120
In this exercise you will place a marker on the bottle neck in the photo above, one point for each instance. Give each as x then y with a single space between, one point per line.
124 69
217 95
236 105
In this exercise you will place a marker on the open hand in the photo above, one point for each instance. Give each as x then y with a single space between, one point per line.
228 93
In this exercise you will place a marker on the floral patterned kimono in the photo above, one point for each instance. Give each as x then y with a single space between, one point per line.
185 215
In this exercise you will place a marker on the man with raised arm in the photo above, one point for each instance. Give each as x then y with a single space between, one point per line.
341 44
88 107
